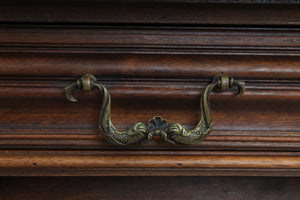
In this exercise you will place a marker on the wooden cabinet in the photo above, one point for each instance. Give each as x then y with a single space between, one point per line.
155 58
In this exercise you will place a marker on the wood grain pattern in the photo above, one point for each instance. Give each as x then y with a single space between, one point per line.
150 39
149 70
62 125
149 66
37 112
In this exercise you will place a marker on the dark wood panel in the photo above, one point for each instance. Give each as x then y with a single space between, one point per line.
150 188
55 35
150 13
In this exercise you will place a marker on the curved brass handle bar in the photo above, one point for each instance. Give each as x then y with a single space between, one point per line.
141 133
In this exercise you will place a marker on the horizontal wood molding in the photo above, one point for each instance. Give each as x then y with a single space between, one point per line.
149 66
156 88
149 39
132 163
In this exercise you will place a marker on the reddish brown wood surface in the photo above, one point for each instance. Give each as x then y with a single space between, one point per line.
145 163
150 70
37 115
56 123
119 66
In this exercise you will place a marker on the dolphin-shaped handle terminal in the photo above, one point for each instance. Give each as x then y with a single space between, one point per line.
139 132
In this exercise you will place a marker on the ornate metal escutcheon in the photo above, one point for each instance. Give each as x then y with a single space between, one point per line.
141 133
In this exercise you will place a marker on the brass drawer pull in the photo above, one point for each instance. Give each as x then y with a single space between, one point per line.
140 133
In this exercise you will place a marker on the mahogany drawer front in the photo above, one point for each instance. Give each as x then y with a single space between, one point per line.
167 81
149 70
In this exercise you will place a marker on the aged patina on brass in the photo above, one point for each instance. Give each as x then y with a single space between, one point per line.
141 133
